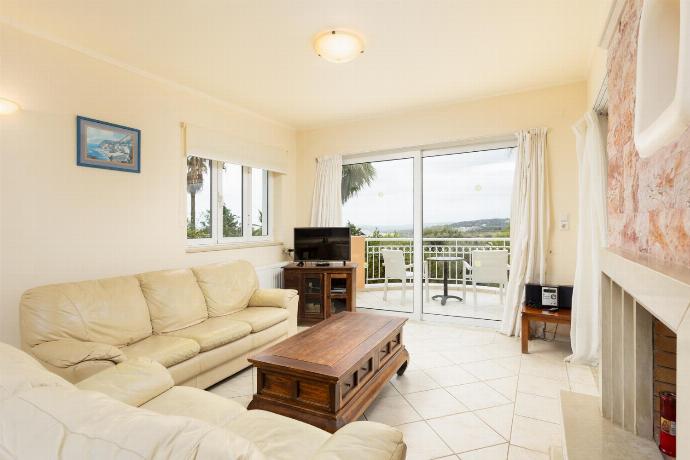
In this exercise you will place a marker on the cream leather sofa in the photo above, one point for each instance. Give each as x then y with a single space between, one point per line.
44 416
200 323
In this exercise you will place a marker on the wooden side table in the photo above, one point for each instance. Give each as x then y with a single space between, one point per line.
539 314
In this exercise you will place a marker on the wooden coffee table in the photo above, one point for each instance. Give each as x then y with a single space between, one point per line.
329 374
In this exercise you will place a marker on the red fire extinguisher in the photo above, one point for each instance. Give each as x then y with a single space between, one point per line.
667 434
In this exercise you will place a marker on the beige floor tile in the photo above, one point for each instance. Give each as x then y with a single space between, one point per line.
450 457
488 370
415 380
535 434
507 386
499 418
580 374
244 400
429 360
539 407
478 395
585 389
497 350
540 367
511 363
519 453
499 452
394 410
464 432
465 355
450 375
388 390
541 386
422 442
435 403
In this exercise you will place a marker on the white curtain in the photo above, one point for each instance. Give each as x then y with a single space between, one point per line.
591 237
326 208
529 224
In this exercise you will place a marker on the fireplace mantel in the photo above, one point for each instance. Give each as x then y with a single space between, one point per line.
663 289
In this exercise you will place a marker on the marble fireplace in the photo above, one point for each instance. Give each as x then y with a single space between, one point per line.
636 293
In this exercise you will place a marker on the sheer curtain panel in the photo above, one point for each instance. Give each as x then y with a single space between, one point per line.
326 209
529 224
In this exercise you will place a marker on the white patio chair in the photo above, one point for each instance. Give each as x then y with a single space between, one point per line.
486 267
397 269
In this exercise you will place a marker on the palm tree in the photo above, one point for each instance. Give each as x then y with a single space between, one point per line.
196 168
355 178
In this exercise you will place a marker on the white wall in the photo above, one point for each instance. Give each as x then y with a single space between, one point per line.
60 222
556 108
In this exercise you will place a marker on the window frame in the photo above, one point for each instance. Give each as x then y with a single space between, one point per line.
217 237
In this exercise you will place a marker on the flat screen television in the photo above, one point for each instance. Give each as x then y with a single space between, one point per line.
322 244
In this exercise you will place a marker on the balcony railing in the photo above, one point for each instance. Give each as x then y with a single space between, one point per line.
374 270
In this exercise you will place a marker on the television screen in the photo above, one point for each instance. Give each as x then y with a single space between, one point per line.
322 243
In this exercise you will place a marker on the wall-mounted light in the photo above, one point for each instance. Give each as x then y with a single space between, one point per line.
338 45
7 107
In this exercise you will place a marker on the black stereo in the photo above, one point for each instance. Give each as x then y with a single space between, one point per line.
534 296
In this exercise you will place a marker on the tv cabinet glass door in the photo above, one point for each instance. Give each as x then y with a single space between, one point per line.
337 287
313 295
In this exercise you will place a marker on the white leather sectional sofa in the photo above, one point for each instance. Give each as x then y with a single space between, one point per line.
133 411
199 323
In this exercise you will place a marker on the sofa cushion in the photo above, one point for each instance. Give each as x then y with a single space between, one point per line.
260 318
278 437
166 350
69 423
196 403
174 299
214 332
111 311
227 287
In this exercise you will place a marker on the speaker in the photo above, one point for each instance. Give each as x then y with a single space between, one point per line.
533 295
565 297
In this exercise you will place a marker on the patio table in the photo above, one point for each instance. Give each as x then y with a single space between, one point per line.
446 268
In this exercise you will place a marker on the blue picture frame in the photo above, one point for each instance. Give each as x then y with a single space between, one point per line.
108 146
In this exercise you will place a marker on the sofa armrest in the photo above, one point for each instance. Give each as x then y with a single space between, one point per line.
134 382
279 298
363 441
67 353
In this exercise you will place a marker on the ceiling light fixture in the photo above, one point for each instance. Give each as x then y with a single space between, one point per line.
338 45
7 107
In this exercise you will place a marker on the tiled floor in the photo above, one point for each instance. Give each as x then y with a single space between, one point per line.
469 394
487 306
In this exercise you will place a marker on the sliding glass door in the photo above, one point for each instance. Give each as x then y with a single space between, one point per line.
378 200
466 231
431 230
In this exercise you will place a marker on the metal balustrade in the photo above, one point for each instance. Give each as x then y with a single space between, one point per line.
450 247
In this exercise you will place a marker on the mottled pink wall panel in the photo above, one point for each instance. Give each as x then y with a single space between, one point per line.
648 198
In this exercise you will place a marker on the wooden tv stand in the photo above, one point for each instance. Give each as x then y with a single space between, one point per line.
323 290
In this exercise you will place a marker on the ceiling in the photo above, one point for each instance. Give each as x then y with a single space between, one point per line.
257 53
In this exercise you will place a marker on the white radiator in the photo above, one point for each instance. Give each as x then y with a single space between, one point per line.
271 276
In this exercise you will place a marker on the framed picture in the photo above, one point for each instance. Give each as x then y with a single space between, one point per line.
108 146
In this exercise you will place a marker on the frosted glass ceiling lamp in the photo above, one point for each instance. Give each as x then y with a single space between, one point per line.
7 107
339 46
662 92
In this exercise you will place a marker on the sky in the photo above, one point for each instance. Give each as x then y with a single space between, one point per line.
457 187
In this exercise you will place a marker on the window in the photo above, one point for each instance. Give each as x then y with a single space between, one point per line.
226 202
199 209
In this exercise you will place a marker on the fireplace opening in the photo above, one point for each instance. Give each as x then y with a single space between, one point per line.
664 340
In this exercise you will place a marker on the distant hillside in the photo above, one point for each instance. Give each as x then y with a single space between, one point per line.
466 228
481 224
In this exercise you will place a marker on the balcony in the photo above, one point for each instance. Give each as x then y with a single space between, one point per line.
366 252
